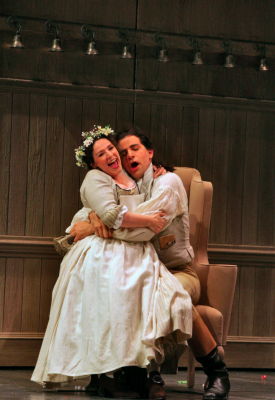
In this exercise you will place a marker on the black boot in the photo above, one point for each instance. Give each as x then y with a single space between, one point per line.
217 385
134 379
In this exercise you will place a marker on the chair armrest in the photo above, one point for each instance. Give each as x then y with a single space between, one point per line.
221 282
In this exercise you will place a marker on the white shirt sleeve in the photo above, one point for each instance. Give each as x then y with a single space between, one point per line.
168 194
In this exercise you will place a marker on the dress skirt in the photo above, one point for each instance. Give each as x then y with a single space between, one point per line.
113 304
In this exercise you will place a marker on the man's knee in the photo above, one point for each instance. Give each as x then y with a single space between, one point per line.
190 282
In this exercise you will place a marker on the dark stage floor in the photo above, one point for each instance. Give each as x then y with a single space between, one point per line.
15 384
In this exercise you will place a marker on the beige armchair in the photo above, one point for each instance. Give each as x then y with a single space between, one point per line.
217 280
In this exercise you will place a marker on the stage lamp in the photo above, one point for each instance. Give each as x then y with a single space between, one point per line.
17 40
125 37
196 45
161 43
53 28
229 58
88 34
263 62
263 65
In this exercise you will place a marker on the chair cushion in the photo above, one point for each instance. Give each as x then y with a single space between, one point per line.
214 320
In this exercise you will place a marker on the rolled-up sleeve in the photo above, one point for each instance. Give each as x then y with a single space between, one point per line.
97 193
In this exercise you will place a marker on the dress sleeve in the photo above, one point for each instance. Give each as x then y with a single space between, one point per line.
98 193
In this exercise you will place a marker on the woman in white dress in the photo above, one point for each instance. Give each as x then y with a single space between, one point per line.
114 301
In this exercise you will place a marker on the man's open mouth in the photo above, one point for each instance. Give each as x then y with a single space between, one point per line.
134 164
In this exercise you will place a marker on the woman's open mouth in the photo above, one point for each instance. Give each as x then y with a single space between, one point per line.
113 163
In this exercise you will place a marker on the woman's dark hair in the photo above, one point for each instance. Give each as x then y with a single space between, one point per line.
89 158
134 131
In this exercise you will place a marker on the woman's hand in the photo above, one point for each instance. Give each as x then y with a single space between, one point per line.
157 221
158 171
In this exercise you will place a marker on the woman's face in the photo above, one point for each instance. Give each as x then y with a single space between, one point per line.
106 157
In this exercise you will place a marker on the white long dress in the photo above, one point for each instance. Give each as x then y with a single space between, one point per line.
113 302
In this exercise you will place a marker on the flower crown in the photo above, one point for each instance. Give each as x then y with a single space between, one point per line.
89 137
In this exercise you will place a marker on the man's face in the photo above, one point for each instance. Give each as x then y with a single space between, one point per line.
134 156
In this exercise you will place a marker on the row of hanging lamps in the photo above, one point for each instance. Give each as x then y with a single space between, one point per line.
88 34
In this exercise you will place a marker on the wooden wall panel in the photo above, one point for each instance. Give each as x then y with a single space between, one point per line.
175 135
262 303
31 300
18 164
211 19
251 178
108 113
36 165
90 112
190 130
49 274
266 208
206 142
54 166
2 290
5 139
246 309
272 303
219 176
121 13
234 321
158 128
124 115
236 126
253 308
229 145
70 174
12 320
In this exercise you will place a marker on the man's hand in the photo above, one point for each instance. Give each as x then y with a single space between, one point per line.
81 229
99 228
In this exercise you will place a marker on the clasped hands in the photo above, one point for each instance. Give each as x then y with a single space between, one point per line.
95 226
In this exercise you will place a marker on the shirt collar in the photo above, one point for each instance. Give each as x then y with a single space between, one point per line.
146 182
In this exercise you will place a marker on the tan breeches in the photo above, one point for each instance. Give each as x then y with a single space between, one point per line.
202 341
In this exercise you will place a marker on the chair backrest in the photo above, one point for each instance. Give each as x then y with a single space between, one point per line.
187 175
200 203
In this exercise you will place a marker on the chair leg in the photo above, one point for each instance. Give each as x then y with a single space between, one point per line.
190 369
